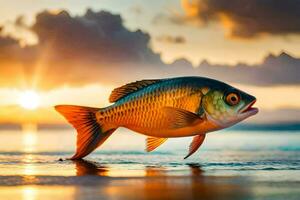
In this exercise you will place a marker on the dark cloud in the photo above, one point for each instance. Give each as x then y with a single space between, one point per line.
97 48
100 35
244 18
7 42
274 70
76 50
171 39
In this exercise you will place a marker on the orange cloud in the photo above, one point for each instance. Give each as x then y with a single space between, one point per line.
244 18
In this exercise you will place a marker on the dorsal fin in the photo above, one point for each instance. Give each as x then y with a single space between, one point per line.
124 90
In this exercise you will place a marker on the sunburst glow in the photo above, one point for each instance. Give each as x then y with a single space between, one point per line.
29 100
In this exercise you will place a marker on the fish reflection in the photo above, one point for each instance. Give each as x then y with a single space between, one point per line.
155 171
195 169
156 182
84 167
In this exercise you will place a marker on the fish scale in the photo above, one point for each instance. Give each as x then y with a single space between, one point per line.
143 110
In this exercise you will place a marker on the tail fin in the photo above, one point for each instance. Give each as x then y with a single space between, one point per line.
90 134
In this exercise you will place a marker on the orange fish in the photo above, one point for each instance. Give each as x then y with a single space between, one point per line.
161 109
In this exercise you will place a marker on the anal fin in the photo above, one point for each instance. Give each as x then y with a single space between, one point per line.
195 144
153 142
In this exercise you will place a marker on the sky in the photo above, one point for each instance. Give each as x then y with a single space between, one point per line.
77 51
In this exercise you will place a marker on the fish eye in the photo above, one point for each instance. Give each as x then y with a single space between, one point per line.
232 99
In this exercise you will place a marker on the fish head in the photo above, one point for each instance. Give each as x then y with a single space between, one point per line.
226 105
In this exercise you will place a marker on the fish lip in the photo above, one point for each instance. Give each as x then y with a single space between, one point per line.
249 109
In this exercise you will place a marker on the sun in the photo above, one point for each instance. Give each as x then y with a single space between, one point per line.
29 100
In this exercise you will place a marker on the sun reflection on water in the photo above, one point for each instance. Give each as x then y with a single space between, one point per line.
35 192
29 140
29 168
29 137
29 193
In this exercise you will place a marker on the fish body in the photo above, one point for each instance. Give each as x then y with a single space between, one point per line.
161 109
146 110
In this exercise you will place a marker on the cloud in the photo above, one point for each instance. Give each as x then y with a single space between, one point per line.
94 47
99 35
281 69
97 48
7 43
171 39
244 18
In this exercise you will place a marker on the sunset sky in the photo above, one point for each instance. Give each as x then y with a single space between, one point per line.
56 52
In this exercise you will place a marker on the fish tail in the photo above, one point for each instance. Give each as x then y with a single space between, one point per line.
90 133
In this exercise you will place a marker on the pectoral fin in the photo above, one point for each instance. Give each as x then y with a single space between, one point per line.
196 143
179 118
153 142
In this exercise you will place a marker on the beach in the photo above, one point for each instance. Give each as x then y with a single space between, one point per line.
230 165
213 81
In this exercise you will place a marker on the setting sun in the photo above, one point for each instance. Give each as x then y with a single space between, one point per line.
29 100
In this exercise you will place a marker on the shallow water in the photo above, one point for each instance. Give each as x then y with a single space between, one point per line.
230 164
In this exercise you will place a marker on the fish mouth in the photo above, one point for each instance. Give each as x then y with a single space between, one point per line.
249 109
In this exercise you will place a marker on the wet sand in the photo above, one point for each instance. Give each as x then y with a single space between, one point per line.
234 165
92 181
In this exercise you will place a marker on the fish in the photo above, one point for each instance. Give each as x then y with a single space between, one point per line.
161 109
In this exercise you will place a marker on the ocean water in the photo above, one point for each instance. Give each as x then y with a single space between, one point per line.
229 164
